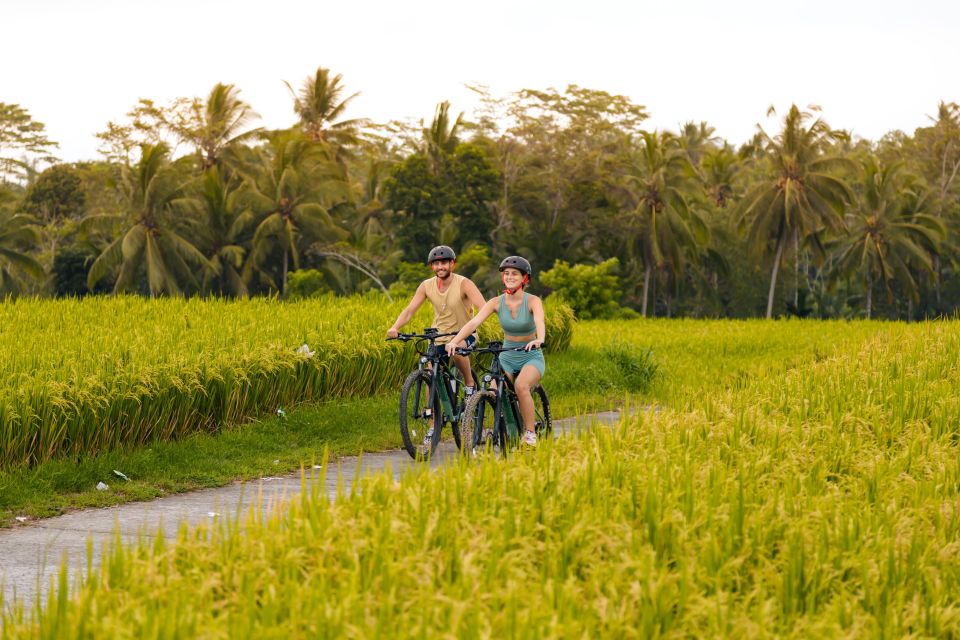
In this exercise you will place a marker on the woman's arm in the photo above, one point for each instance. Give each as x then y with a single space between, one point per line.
484 313
536 308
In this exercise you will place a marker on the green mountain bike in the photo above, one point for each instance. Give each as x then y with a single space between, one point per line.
491 418
431 396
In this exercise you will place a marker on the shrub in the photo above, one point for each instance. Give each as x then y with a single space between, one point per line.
409 276
592 291
306 283
636 365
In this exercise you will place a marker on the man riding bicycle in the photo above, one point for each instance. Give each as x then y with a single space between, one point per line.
454 298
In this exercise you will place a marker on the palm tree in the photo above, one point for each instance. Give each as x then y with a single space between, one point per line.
290 185
17 233
214 125
369 247
802 197
320 104
719 166
150 241
440 139
220 224
655 176
697 139
890 232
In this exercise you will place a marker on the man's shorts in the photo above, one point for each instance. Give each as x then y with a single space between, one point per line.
468 342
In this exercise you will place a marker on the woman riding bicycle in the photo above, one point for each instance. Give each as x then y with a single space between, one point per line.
521 318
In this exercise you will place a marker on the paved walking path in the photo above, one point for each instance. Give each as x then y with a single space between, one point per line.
32 554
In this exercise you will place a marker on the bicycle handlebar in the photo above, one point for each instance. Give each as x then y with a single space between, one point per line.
465 351
427 335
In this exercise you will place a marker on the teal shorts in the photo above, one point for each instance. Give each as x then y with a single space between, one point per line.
513 361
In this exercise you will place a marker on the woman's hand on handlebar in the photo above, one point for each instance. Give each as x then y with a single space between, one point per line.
533 344
451 348
392 333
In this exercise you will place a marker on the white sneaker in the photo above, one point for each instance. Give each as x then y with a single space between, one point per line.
468 391
428 439
530 438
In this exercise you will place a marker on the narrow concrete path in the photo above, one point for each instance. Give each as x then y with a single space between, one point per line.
31 555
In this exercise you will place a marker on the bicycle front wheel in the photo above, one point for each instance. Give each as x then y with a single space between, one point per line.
478 427
460 404
418 414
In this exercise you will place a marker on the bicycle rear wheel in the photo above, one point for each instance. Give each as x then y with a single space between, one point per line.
541 413
418 413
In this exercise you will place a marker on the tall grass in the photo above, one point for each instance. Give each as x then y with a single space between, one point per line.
79 377
811 489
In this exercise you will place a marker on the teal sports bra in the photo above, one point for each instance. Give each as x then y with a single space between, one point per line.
523 325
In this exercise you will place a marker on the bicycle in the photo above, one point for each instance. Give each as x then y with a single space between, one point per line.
430 397
491 417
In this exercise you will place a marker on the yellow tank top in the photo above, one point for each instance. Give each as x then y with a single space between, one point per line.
450 309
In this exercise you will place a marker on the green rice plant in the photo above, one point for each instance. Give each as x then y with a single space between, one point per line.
806 486
669 524
79 377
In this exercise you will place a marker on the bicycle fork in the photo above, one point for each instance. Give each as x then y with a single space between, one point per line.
507 412
439 402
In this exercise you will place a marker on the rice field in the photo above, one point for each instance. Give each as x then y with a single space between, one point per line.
799 479
79 377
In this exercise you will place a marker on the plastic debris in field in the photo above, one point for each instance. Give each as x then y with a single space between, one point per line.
305 351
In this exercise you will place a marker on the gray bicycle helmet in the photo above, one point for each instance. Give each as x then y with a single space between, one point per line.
517 262
441 252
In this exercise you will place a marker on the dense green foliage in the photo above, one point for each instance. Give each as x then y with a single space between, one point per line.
456 192
592 291
804 220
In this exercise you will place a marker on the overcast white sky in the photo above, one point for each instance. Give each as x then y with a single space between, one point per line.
873 66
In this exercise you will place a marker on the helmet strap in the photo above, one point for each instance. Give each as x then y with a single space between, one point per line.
449 272
507 290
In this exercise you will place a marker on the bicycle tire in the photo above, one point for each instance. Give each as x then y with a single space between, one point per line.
416 424
474 422
460 402
544 420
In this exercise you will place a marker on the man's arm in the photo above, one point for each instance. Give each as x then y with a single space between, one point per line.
472 293
408 311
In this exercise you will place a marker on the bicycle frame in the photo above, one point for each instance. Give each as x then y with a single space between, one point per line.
507 407
442 391
509 410
441 380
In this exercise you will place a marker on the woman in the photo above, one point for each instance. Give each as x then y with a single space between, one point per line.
521 318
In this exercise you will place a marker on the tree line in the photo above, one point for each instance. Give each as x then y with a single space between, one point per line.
192 198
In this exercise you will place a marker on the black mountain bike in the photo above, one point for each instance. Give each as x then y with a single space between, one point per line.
491 417
432 395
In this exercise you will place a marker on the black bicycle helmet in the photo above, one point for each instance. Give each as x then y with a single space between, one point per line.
441 252
517 262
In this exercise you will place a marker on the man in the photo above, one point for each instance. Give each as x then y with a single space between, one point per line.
454 298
